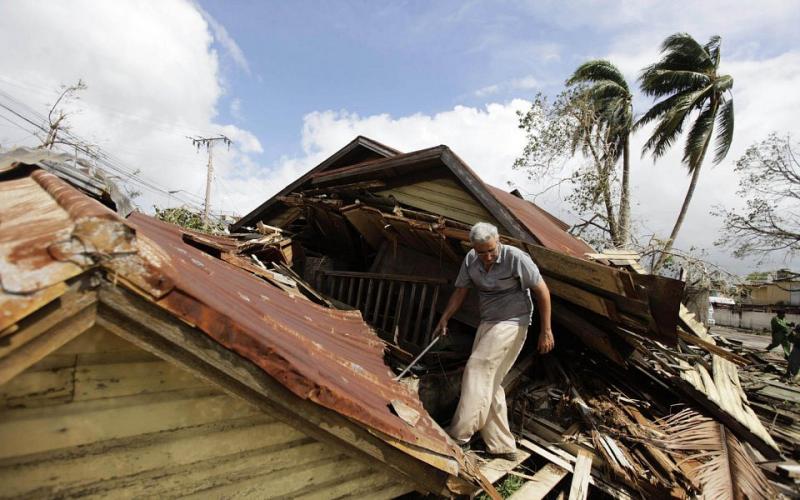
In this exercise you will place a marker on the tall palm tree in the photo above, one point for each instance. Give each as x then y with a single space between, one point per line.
686 78
608 94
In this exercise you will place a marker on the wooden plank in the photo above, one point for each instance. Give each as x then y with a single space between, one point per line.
583 298
389 302
280 483
443 197
44 319
378 299
41 429
38 388
367 223
579 489
128 379
497 468
576 270
540 484
565 461
418 339
372 485
65 330
105 461
713 348
144 324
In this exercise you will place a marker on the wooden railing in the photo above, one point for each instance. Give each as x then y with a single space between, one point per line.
401 308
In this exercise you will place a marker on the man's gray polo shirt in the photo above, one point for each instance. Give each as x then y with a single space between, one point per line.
504 289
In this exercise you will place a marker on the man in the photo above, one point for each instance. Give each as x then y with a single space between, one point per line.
780 332
504 277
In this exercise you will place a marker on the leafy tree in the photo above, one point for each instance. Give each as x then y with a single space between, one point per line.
687 79
557 131
770 185
184 217
609 96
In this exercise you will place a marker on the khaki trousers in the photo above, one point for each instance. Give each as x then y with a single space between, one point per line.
482 406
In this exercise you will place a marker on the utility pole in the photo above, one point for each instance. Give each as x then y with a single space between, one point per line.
208 142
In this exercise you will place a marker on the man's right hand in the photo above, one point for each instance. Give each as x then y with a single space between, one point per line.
441 327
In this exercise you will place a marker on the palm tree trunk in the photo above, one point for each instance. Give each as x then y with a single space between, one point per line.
624 197
679 222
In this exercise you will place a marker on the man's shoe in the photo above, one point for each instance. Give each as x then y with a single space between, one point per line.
511 456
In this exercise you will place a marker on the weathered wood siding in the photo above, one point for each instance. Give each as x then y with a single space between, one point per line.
444 196
102 418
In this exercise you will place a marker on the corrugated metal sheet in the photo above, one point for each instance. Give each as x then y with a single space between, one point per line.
541 224
328 356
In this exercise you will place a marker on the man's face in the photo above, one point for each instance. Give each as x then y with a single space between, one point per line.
781 315
488 251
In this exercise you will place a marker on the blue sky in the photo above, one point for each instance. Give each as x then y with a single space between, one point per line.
418 56
291 82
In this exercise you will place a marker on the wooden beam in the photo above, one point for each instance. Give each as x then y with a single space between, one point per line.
713 348
540 484
48 331
579 489
153 329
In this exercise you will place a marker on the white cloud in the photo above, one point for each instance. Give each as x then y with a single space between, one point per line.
525 83
153 79
487 90
224 39
236 108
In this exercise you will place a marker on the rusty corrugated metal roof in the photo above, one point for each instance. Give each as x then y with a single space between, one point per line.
329 356
541 224
50 232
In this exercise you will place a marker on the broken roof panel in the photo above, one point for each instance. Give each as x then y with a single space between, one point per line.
329 356
325 355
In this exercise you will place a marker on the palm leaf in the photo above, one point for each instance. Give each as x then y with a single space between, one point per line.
699 137
726 470
723 84
671 124
681 51
724 136
596 71
657 81
713 49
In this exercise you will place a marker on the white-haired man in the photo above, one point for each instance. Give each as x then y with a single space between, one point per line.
504 277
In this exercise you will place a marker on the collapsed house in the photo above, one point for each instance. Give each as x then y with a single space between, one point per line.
302 311
135 361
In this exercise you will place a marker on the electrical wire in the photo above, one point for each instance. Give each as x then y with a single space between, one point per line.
104 160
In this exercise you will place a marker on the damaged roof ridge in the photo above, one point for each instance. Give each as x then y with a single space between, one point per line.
75 203
359 141
421 154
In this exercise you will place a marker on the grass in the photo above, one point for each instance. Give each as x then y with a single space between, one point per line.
507 488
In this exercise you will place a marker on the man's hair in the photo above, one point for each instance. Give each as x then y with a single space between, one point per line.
482 232
781 311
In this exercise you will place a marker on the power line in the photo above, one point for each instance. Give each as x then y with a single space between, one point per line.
103 160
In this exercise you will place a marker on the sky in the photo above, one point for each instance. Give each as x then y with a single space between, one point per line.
292 82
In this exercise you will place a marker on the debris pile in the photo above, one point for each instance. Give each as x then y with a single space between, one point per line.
385 235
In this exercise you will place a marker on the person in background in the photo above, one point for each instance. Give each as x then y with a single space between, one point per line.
780 332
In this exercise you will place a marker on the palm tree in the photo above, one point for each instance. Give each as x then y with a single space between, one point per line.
686 78
608 94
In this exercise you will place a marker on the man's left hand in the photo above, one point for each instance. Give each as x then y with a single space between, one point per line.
546 341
